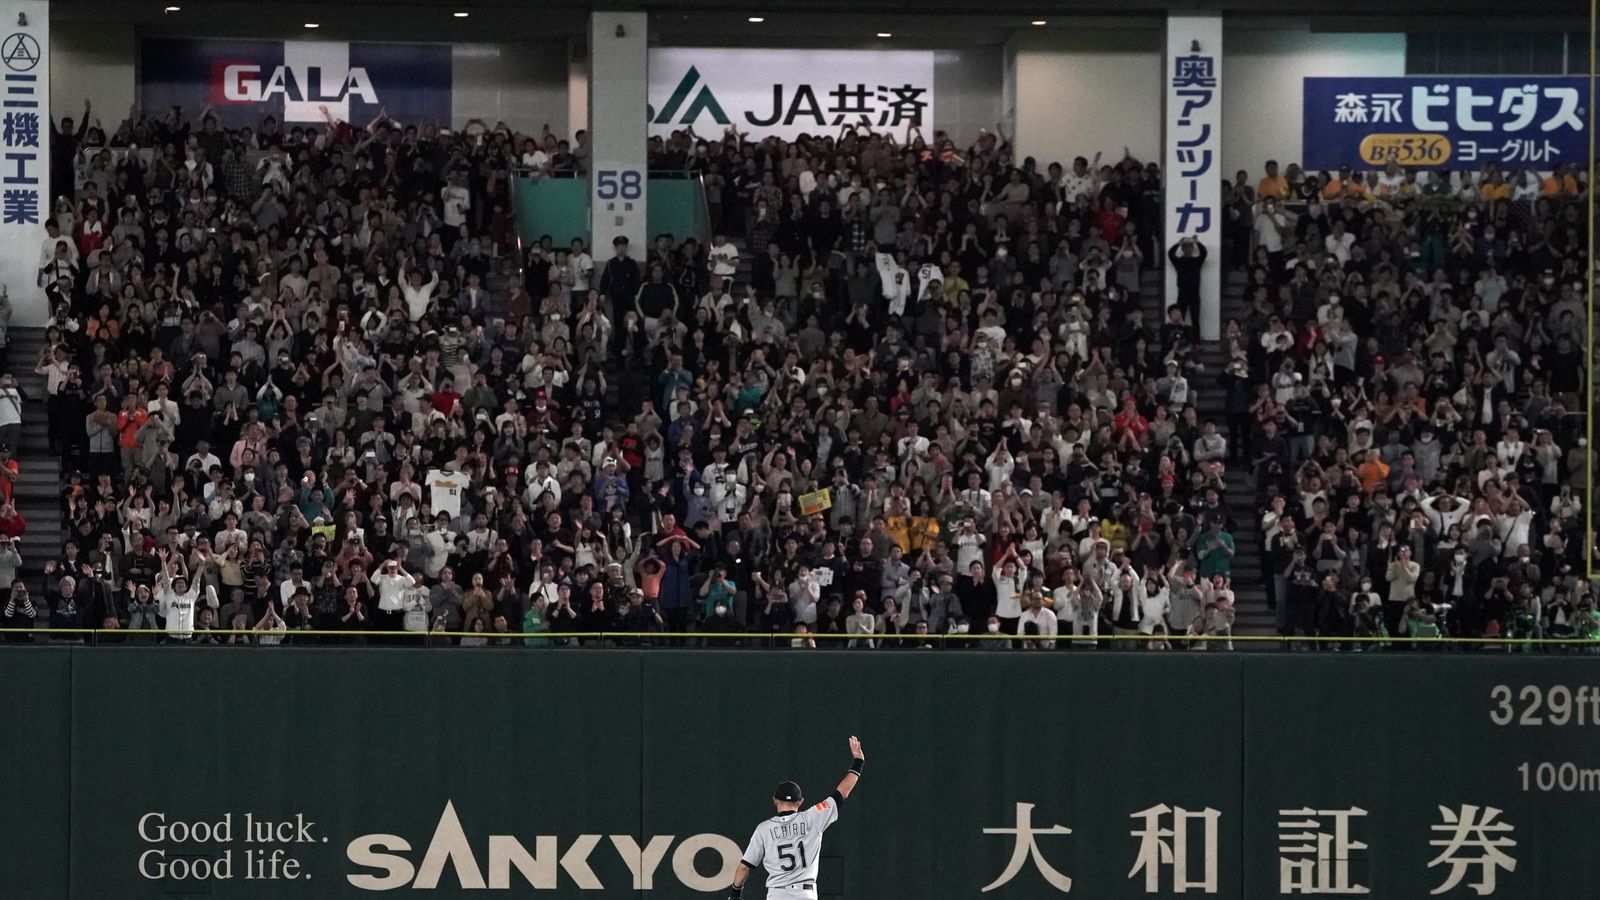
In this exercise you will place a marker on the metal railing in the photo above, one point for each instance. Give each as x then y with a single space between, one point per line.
599 639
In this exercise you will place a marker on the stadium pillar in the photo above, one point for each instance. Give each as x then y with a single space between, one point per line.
1192 170
618 117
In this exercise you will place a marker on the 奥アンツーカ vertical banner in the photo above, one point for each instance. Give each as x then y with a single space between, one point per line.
1192 171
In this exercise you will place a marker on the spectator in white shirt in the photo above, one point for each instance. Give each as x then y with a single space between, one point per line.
1339 243
391 581
804 594
1509 449
1270 225
176 599
54 239
1080 182
1037 623
418 294
1008 578
1157 605
457 200
724 257
970 543
58 259
10 413
1079 602
582 268
1489 288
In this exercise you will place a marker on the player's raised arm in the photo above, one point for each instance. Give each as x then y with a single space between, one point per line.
857 760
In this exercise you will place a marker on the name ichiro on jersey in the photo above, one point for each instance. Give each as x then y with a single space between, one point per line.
791 830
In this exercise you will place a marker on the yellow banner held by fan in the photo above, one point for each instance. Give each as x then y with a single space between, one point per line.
815 502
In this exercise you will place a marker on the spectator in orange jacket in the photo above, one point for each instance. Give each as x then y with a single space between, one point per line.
1373 471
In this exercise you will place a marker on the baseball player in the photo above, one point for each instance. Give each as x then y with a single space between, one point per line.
790 843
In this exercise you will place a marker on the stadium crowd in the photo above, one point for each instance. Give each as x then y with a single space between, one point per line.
1414 356
307 379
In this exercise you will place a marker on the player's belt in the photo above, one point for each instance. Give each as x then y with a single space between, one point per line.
802 886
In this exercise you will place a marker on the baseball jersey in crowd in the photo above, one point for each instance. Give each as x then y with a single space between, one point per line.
444 490
10 406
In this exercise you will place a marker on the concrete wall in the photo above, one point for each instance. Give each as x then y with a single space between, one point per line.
1263 70
1082 91
968 85
577 89
523 84
97 62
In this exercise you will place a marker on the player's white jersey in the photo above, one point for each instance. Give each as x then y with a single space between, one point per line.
789 845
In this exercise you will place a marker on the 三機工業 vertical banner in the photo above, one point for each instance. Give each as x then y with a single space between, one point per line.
27 144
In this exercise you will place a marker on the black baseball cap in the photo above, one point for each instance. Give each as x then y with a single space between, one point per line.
789 792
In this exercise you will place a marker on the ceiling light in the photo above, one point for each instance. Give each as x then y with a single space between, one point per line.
172 9
756 19
312 25
462 15
1039 22
885 34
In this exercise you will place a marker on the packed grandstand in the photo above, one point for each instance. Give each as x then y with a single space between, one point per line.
307 385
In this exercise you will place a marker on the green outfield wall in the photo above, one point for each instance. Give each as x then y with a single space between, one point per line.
284 773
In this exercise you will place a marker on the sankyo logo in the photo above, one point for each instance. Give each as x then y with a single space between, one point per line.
704 102
509 862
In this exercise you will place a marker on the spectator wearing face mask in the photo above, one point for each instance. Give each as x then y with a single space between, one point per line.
993 626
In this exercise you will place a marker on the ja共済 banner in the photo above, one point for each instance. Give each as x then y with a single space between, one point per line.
244 80
787 93
1429 122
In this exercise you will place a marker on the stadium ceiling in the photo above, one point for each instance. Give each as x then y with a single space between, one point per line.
932 23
